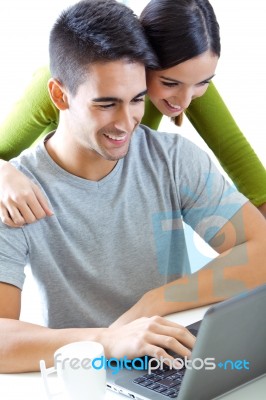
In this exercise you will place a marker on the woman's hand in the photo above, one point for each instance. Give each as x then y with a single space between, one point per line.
21 200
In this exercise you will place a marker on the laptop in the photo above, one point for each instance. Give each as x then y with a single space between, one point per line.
230 351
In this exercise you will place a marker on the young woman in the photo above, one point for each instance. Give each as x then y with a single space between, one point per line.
185 36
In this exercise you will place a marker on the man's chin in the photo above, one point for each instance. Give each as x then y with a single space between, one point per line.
115 156
110 157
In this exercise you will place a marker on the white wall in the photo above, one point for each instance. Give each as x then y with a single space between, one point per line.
24 30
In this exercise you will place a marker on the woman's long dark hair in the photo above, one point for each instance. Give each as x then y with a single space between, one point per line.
180 29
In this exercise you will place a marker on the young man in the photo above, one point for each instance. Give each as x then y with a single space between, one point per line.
114 250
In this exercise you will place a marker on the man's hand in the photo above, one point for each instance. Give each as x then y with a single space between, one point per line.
147 336
21 201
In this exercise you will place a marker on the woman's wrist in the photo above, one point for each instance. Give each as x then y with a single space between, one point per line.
4 166
3 163
6 169
262 209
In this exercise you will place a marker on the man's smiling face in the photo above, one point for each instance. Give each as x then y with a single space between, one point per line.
107 108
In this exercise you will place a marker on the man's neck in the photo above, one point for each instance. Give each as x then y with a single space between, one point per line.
83 163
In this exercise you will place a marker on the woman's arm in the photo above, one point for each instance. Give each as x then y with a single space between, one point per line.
213 121
33 116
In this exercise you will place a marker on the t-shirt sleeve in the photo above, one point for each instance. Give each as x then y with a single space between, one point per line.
31 117
215 124
13 255
207 199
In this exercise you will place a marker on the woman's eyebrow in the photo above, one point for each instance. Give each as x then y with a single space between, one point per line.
141 94
176 81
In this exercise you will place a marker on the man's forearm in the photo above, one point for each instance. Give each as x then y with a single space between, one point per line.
23 345
232 272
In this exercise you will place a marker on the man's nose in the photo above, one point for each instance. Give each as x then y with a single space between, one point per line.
125 120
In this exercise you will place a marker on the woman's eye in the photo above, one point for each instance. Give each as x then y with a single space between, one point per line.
138 100
169 84
204 83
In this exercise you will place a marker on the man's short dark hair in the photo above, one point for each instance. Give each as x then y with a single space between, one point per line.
95 31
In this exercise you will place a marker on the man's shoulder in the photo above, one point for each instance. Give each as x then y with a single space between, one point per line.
32 162
171 144
152 137
28 157
157 134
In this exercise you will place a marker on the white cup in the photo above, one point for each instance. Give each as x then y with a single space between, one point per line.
74 367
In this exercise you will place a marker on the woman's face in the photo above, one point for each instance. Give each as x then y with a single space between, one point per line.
172 90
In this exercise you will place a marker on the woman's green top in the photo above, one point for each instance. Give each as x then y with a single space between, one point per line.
35 115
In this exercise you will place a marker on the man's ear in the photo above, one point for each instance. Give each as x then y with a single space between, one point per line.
58 94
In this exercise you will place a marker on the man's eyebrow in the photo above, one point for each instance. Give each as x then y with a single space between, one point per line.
105 99
116 99
176 81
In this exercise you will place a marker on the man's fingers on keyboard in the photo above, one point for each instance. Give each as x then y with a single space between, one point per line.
174 332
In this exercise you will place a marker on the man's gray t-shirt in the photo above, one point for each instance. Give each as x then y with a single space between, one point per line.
111 241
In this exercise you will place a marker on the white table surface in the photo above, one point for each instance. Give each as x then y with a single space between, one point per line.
29 386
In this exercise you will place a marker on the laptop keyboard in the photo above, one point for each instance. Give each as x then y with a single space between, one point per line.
165 381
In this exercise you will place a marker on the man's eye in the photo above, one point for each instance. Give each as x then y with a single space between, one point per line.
106 105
